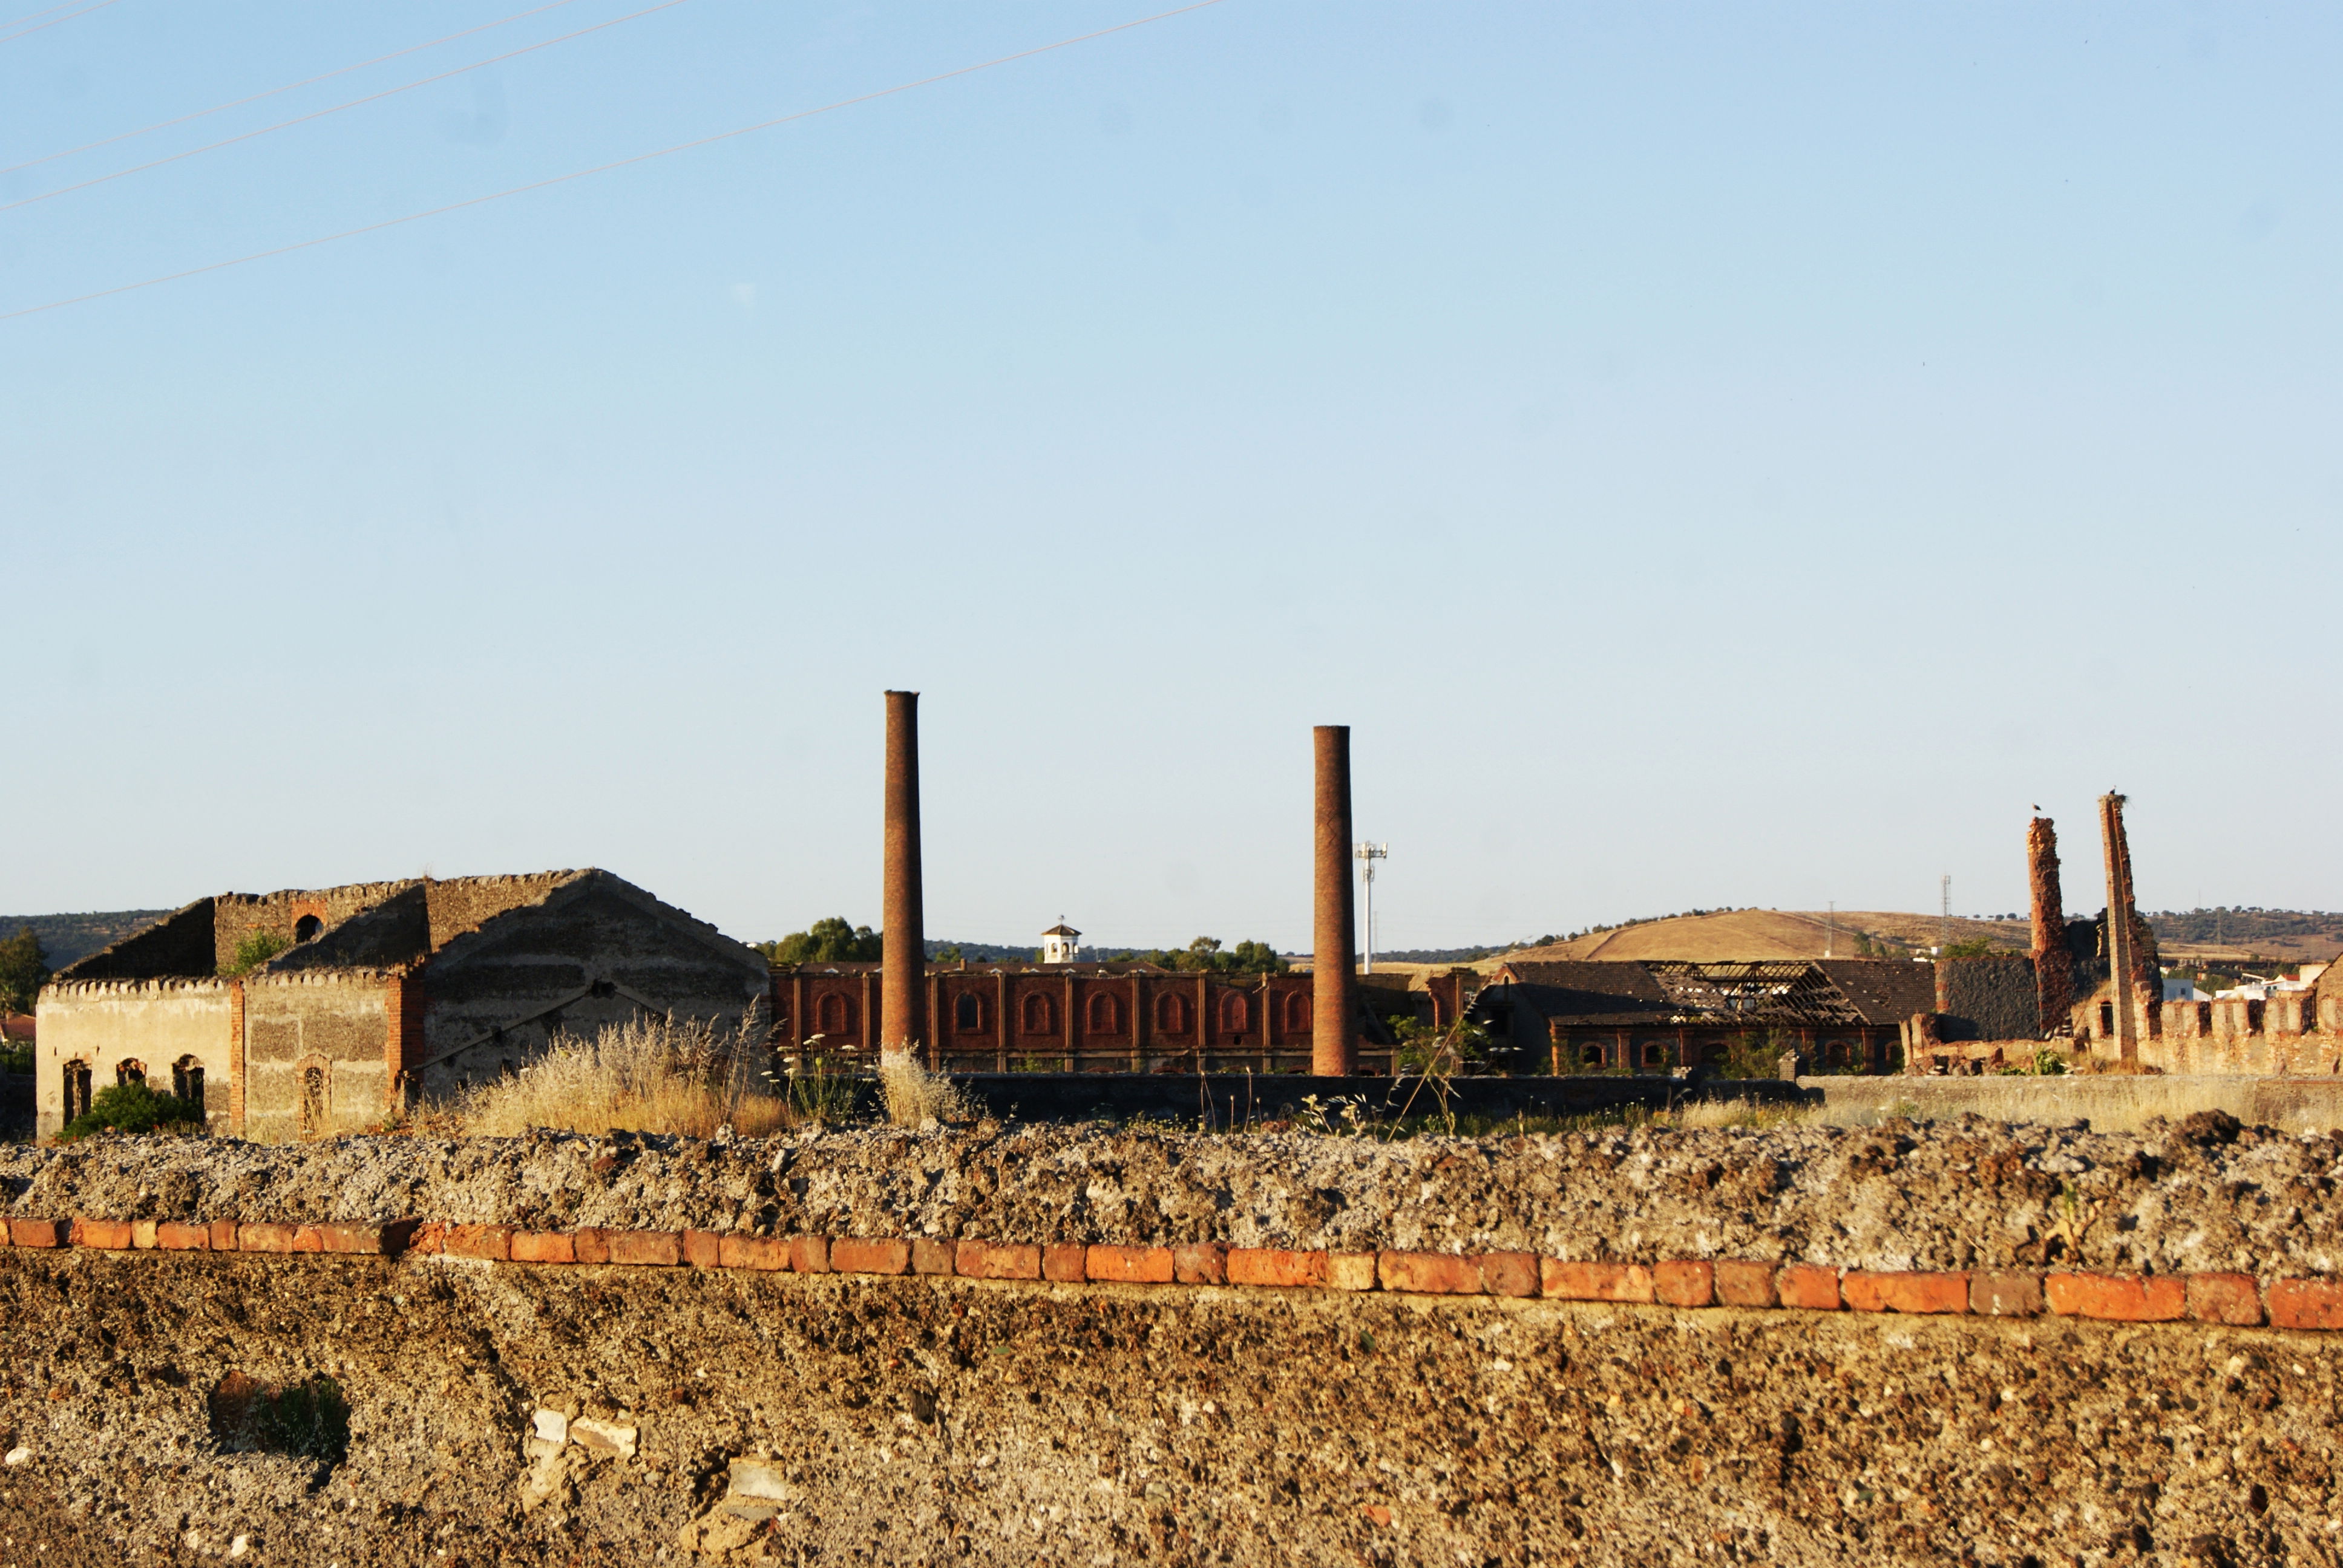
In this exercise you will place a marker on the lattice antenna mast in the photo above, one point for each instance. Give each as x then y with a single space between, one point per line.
1367 855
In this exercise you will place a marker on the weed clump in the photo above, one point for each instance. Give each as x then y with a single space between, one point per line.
689 1078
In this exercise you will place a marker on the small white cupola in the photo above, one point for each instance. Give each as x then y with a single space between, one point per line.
1060 943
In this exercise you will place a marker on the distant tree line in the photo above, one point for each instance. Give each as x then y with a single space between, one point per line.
23 969
1206 956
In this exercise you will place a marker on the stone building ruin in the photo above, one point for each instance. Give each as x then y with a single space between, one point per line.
385 992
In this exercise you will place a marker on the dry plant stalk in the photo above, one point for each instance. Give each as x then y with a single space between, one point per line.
650 1075
917 1097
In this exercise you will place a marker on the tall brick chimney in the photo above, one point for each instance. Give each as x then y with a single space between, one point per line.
2120 934
2054 966
1334 985
902 981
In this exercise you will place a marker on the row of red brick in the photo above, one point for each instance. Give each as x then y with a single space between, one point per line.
2234 1299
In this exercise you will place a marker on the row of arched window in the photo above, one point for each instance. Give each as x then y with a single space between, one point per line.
1102 1014
187 1082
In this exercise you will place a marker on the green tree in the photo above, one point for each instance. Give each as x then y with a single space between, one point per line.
1206 956
827 941
24 967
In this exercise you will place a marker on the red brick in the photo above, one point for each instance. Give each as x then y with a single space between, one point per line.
492 1243
1426 1273
809 1254
4 1233
883 1255
2000 1295
222 1236
1742 1283
766 1254
1509 1273
1129 1265
264 1236
703 1249
544 1247
1866 1290
1272 1266
656 1248
931 1255
997 1261
2118 1297
366 1240
1201 1263
592 1244
39 1233
2298 1303
177 1236
1810 1286
1684 1283
2224 1299
308 1239
1595 1281
1064 1262
104 1235
142 1234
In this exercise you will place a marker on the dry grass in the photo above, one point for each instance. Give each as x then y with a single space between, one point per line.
648 1076
918 1098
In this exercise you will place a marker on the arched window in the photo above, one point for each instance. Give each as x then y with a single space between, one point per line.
313 1098
1036 1015
1172 1014
1593 1056
1297 1012
187 1080
1104 1014
1654 1054
968 1013
1834 1053
127 1072
1236 1012
307 927
77 1089
836 1015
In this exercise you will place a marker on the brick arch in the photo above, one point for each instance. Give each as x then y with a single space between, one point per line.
968 1012
1171 1013
834 1015
1236 1012
1297 1013
1104 1014
1037 1014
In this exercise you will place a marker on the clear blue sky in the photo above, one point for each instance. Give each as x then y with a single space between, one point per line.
1711 453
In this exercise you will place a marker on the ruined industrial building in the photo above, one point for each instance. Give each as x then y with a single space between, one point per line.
383 992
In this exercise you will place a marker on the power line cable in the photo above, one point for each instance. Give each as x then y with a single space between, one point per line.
36 15
605 168
45 27
273 92
335 109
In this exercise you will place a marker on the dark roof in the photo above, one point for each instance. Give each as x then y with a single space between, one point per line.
1632 993
1884 990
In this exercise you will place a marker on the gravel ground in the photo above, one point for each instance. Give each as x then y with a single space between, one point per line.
2200 1194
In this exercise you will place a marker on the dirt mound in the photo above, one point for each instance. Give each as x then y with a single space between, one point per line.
1957 1194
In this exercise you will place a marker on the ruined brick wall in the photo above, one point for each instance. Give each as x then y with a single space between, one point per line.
1989 998
237 915
595 953
315 1052
154 1025
180 944
460 904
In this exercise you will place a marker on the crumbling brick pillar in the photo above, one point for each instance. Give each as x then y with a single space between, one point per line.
1334 985
2054 966
902 1009
2122 962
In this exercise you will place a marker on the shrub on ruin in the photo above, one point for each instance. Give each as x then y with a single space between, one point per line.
134 1108
688 1077
255 950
